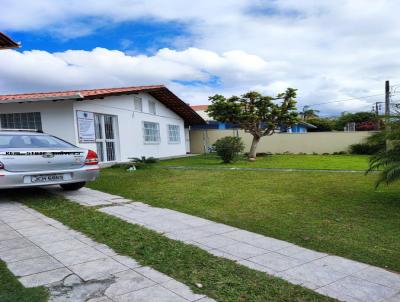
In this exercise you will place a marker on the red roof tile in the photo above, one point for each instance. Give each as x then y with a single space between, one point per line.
160 92
85 93
199 107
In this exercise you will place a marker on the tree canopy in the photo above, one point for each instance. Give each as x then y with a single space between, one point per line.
310 114
360 118
257 114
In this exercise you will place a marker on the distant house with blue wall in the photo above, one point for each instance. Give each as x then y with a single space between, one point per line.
301 127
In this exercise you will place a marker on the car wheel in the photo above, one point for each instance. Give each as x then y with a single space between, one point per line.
73 186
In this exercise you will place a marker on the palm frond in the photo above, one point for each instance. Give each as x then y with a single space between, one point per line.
393 174
389 162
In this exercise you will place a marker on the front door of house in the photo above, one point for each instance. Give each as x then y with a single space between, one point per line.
106 137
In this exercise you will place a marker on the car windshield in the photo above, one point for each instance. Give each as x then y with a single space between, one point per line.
10 141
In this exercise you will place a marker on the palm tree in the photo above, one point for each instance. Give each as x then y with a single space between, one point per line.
309 114
387 159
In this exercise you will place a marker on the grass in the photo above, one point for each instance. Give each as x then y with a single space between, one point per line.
337 213
222 279
319 162
13 291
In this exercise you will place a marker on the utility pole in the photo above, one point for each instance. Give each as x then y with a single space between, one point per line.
387 100
387 111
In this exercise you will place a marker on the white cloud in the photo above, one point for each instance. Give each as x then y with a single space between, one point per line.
41 70
327 49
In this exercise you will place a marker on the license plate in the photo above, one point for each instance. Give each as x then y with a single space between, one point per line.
47 178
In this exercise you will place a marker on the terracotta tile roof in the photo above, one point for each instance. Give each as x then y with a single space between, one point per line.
160 92
199 107
7 42
88 93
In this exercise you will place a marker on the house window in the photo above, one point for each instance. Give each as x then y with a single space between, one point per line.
26 120
174 134
151 132
138 104
152 107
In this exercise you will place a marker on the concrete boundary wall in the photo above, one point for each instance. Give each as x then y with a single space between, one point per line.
318 142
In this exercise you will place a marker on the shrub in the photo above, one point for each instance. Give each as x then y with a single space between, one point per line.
359 118
364 148
322 124
143 162
228 148
150 160
339 153
366 126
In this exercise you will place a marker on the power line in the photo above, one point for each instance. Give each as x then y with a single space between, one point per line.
346 100
350 99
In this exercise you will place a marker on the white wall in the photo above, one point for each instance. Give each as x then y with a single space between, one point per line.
318 142
57 117
130 125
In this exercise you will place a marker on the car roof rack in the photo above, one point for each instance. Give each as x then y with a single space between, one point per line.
22 130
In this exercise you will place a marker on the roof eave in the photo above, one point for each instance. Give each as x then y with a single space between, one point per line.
308 125
76 96
8 42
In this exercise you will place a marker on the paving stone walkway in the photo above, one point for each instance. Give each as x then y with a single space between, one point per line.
333 276
42 251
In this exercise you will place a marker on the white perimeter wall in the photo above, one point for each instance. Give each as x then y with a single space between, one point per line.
57 117
312 142
130 126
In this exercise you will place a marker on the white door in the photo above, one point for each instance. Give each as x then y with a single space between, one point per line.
187 140
106 137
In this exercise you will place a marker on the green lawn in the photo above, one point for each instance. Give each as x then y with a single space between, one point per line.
338 213
222 279
319 162
13 291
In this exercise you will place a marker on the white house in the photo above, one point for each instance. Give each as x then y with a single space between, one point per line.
118 123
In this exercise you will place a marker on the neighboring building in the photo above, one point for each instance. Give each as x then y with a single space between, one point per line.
118 123
201 110
7 42
210 123
301 127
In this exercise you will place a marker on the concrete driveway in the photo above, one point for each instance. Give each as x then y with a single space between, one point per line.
42 251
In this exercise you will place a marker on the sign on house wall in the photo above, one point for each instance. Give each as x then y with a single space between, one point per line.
86 131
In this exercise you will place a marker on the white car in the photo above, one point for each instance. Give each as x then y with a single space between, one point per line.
29 159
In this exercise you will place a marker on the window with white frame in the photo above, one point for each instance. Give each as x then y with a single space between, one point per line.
151 132
25 120
152 107
174 136
138 104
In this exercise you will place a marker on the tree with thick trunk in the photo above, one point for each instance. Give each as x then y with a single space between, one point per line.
253 148
257 114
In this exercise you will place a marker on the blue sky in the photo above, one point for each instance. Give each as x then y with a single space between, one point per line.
328 50
137 37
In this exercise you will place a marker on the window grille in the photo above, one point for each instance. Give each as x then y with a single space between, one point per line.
174 134
25 120
138 104
152 107
151 132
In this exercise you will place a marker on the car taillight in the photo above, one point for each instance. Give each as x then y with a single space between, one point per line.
1 166
91 158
